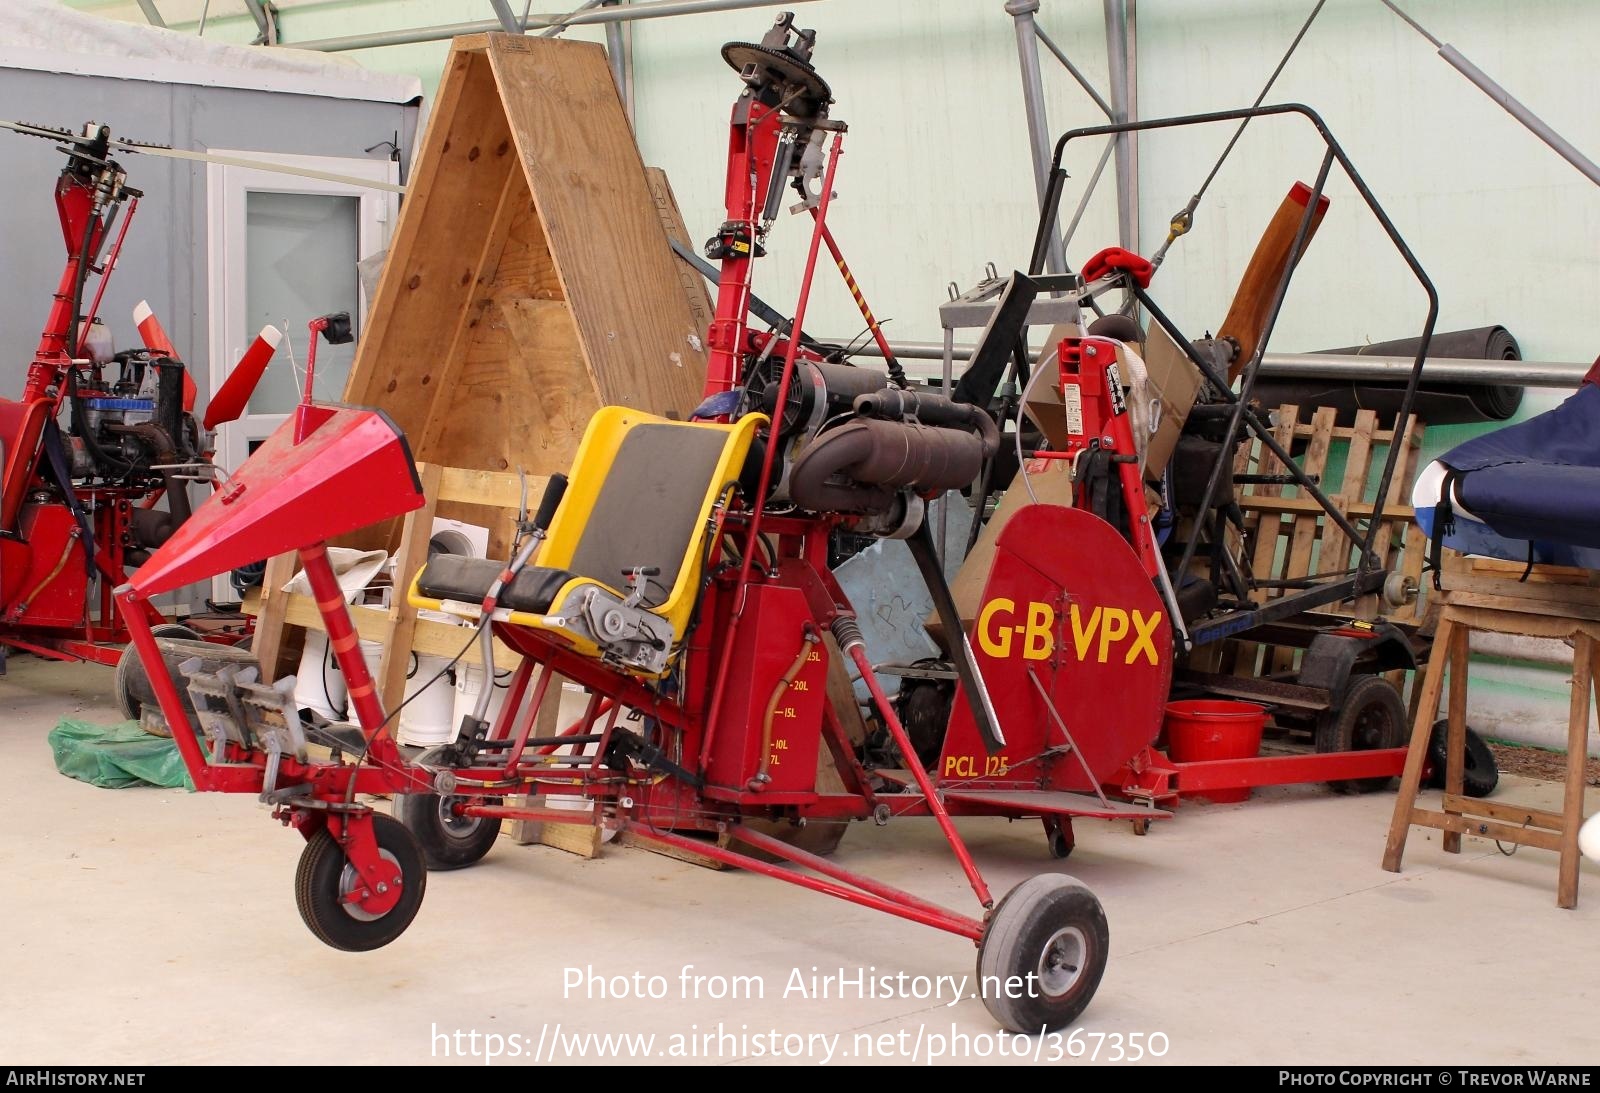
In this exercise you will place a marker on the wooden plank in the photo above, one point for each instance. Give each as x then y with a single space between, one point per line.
1313 463
1516 592
438 638
455 188
1296 506
635 328
1540 574
417 530
1405 810
582 839
485 273
628 838
1520 815
1347 432
1268 528
1306 526
1385 544
1583 684
1336 546
1575 611
522 394
1455 748
1264 557
1505 617
1487 829
1412 561
493 489
268 642
695 289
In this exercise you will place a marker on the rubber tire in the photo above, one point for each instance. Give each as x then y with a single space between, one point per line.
443 849
1481 776
1013 940
316 889
129 661
819 837
1366 696
132 709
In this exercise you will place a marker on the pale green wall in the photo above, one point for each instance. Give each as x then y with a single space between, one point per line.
936 179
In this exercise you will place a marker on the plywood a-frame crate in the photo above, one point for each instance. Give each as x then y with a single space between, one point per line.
529 282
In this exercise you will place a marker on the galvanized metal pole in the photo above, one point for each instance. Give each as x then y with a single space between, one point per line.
509 22
648 9
1508 102
1119 57
1039 146
620 51
1337 366
152 14
266 23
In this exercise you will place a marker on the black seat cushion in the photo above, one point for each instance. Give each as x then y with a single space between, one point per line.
453 577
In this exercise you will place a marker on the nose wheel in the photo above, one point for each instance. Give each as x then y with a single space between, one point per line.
344 909
1045 944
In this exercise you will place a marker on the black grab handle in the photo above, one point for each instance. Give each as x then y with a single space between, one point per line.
554 491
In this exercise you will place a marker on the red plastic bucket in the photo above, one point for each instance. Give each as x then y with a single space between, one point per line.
1202 729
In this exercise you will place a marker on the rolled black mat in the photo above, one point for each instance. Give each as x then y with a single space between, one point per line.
1436 404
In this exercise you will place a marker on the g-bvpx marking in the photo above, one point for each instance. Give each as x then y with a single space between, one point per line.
1096 634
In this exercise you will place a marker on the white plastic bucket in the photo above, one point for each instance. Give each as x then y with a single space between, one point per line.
469 685
426 719
319 685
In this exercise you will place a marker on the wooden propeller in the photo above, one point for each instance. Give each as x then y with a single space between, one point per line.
1252 301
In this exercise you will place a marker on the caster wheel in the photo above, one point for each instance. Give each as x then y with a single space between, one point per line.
325 877
1373 716
447 840
1480 774
1048 940
1058 833
1141 827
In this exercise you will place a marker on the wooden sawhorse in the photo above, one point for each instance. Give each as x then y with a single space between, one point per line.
1502 607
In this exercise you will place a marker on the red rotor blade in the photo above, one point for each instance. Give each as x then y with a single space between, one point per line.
155 339
234 395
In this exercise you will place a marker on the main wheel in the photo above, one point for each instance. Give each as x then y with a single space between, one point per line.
129 668
325 877
1480 774
447 839
1048 941
1373 716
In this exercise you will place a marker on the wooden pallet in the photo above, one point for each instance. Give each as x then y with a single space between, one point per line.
1287 535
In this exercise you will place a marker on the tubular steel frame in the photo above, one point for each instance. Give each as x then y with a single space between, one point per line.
1368 577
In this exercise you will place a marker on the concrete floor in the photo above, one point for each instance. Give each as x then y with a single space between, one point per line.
154 926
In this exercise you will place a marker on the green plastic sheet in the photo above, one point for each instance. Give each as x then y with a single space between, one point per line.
116 756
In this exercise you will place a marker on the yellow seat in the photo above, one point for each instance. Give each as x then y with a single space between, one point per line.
640 497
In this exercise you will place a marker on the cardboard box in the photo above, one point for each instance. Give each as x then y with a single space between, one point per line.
1174 382
1044 407
1051 480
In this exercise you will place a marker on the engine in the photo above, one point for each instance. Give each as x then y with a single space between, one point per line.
128 430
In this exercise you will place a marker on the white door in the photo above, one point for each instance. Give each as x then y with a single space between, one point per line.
283 250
